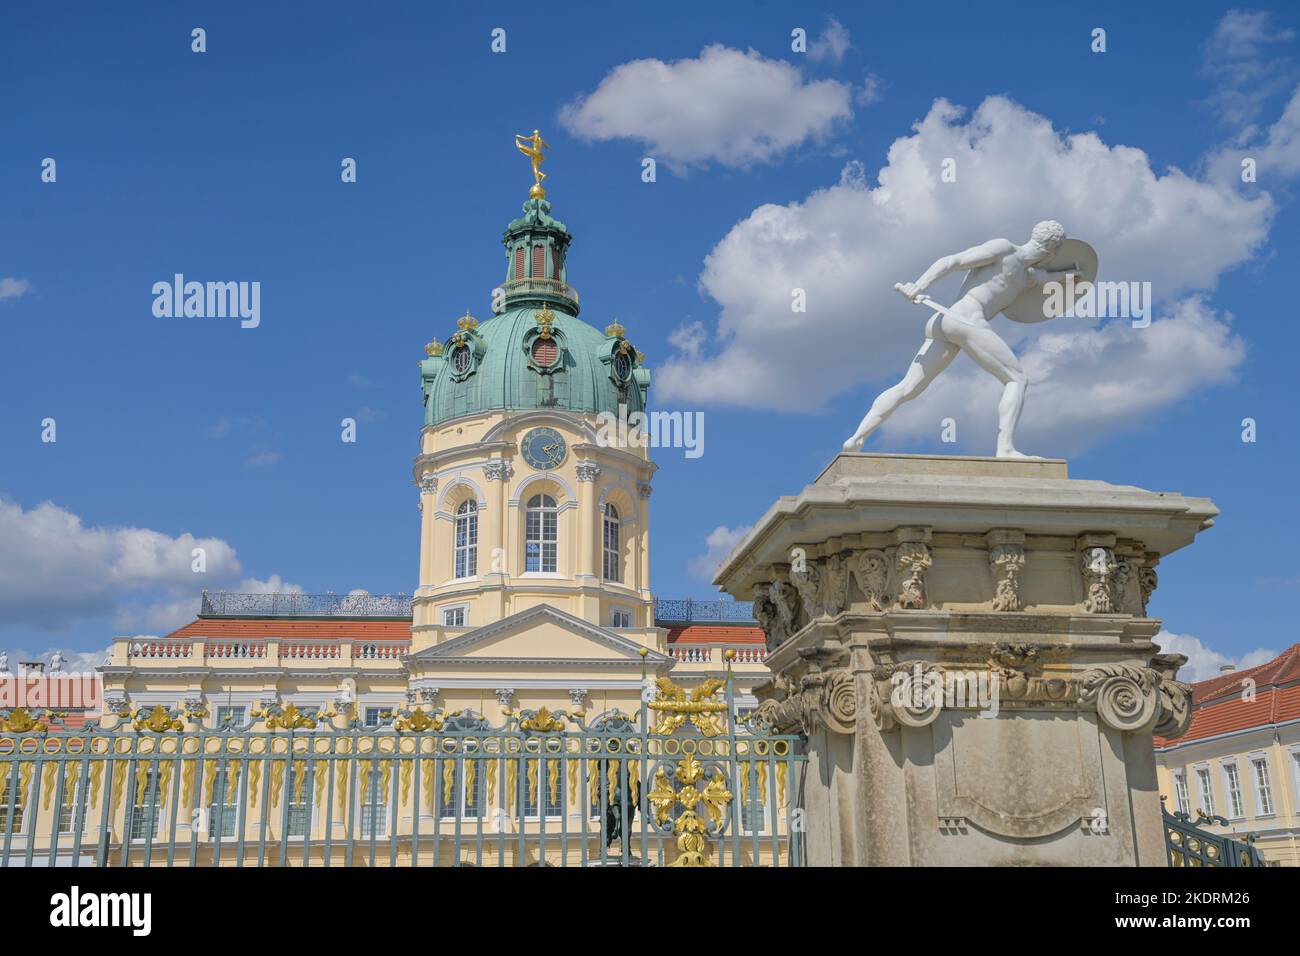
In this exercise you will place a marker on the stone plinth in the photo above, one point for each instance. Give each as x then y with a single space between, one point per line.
966 644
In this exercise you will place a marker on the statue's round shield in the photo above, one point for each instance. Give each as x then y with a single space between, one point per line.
1038 304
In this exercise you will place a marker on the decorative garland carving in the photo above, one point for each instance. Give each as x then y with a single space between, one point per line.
1006 561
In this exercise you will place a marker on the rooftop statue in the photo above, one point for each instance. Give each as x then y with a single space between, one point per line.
532 146
1002 278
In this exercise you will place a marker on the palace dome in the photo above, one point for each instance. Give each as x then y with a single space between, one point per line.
536 352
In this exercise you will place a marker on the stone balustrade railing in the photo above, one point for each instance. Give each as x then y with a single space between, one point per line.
713 654
267 651
161 649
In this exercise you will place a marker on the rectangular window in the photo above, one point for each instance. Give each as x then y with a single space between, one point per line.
146 812
1204 792
753 810
620 618
234 714
374 716
519 263
453 616
541 529
461 788
374 809
1295 756
466 558
223 809
74 796
543 784
1263 787
1233 780
11 801
299 797
613 564
1180 792
539 261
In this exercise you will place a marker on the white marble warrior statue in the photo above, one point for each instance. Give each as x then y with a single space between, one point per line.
1003 278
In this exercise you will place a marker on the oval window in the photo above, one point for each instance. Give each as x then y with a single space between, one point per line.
460 359
545 353
622 367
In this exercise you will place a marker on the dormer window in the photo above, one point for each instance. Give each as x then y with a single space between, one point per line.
460 359
622 366
545 352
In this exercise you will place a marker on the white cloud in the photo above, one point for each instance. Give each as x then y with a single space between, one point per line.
832 44
262 459
54 571
74 662
11 288
871 92
1203 662
272 585
1237 58
725 106
846 246
718 545
688 338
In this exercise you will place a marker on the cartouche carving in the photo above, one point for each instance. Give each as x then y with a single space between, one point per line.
871 571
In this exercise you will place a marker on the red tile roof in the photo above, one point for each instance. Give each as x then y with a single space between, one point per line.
714 634
324 629
1218 706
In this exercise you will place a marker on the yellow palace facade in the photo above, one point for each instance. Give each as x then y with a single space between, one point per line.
492 716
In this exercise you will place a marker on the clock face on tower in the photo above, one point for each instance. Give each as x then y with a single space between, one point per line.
544 448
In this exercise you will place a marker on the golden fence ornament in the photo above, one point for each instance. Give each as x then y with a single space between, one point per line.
20 721
287 718
158 720
691 830
542 722
675 707
418 721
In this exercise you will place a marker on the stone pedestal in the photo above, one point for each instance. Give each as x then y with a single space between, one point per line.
965 643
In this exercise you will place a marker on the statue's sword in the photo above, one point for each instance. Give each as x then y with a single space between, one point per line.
928 302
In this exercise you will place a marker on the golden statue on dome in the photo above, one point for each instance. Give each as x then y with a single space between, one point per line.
532 146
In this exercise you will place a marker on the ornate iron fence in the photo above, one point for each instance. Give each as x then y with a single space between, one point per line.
680 783
1190 844
232 604
690 612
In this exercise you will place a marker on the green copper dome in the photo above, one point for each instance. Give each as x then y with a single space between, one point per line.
536 352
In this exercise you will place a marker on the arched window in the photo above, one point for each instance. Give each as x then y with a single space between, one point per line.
540 534
613 562
467 539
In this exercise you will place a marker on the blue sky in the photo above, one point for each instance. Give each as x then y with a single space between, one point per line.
775 169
